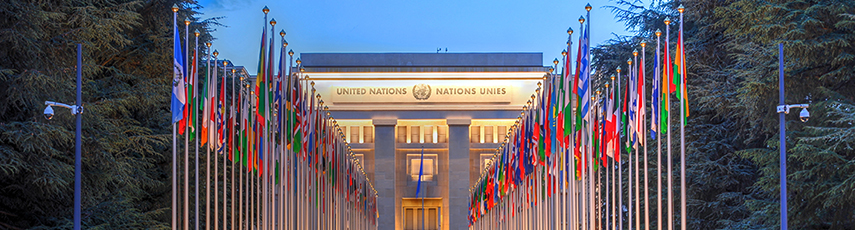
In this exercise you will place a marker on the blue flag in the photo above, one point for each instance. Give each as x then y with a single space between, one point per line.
178 95
421 172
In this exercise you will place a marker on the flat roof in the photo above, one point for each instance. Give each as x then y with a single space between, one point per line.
421 60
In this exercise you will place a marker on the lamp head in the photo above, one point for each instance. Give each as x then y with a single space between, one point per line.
643 44
48 112
581 20
272 21
174 7
681 8
629 61
187 21
667 21
804 115
216 53
618 69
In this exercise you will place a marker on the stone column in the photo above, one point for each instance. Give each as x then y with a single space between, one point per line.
458 173
384 171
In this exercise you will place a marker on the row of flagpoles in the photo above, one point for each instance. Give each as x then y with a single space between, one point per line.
285 161
534 182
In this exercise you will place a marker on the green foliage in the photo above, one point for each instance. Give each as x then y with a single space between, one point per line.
126 131
731 142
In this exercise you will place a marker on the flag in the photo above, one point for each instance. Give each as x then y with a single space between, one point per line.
654 97
203 134
178 95
642 112
421 172
680 77
191 96
611 124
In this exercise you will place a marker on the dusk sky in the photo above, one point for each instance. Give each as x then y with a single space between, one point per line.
327 26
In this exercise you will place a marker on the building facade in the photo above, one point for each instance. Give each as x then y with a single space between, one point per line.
445 113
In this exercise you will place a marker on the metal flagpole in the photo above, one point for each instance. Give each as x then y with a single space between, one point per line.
683 107
269 149
639 138
223 145
657 74
186 218
195 122
231 148
668 131
209 82
619 165
282 182
174 160
212 142
629 134
591 217
644 134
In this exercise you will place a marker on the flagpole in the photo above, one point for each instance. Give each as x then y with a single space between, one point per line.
216 160
208 81
290 154
186 219
591 211
195 122
668 129
644 134
683 107
629 134
619 165
656 73
615 151
639 138
268 170
281 129
231 140
174 158
224 147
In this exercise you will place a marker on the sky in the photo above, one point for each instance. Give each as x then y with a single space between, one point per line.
348 26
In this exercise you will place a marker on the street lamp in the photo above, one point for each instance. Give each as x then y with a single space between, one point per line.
783 109
76 110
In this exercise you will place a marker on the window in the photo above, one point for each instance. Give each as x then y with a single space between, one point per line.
402 134
441 134
501 133
474 134
429 138
354 134
415 135
368 133
486 159
415 218
429 167
488 134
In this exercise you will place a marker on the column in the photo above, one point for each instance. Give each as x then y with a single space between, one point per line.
458 172
384 171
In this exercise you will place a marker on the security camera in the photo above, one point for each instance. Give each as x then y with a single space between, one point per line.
48 112
804 115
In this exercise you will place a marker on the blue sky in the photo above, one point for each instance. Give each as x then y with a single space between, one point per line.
320 26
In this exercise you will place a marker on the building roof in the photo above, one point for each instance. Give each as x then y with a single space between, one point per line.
421 59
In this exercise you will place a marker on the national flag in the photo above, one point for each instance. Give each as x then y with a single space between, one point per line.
654 97
680 78
179 96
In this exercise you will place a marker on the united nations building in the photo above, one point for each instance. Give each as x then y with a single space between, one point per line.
456 108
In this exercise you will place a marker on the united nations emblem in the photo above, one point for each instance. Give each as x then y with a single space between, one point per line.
421 91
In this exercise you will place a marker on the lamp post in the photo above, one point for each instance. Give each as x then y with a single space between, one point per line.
783 109
77 110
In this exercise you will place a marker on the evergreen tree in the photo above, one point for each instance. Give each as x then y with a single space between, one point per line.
127 49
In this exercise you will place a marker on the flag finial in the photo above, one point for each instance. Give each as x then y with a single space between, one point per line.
208 44
635 52
658 32
581 19
298 62
272 21
643 44
588 7
555 61
175 8
216 53
613 78
290 52
607 84
681 8
282 33
196 32
265 10
667 21
629 61
187 21
284 43
570 31
564 53
618 69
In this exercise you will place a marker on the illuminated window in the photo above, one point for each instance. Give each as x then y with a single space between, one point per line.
474 134
441 136
354 134
429 134
402 134
415 161
415 134
488 134
502 130
414 219
368 134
